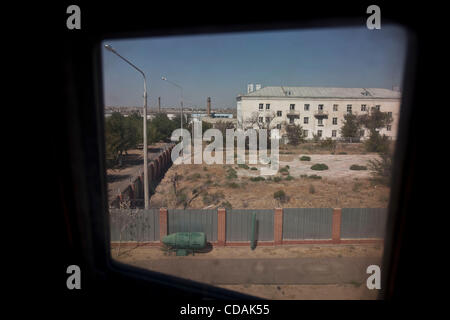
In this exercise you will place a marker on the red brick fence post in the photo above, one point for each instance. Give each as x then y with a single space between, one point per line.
278 226
221 226
336 229
162 223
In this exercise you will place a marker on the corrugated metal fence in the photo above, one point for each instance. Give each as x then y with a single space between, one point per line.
193 220
298 223
134 225
307 223
239 224
360 223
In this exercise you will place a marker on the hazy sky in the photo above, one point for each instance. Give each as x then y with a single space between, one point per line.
221 65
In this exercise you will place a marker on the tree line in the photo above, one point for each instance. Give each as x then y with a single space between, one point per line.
125 133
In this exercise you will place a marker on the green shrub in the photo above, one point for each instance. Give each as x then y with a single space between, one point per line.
314 176
194 176
256 179
305 158
233 185
357 167
226 205
253 168
289 178
284 169
277 179
280 195
319 167
232 174
243 166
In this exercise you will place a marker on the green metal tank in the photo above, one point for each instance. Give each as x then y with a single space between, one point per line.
185 240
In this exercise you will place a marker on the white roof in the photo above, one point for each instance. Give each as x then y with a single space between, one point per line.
324 92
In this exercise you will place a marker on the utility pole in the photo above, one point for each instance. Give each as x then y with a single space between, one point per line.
146 195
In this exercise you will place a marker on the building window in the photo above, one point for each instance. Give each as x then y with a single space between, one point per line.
279 126
267 106
305 120
390 114
305 133
319 133
292 107
335 107
291 120
333 133
306 107
261 106
268 119
320 108
261 119
320 122
349 108
363 107
388 128
361 133
378 107
279 113
334 120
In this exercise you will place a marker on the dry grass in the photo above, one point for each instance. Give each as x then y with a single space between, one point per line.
241 192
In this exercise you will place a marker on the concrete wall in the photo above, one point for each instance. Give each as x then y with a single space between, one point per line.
134 192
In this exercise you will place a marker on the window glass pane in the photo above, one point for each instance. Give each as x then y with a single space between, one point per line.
333 182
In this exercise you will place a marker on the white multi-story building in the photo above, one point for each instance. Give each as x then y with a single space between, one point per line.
319 110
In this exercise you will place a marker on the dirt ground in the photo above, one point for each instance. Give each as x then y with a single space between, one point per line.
202 187
306 292
136 253
348 291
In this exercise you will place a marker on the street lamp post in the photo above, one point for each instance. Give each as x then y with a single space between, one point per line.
178 86
146 198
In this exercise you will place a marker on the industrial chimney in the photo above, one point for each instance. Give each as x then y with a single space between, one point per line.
208 106
159 104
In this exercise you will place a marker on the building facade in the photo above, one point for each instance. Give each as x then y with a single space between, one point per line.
319 110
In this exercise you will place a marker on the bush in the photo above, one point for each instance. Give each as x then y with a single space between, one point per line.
305 158
226 205
357 167
243 166
253 168
328 143
280 195
194 176
256 179
314 176
289 178
319 167
233 185
277 179
232 174
382 169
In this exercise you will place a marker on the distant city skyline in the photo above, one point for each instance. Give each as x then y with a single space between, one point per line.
221 65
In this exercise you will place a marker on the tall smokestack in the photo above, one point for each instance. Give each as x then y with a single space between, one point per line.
159 104
208 106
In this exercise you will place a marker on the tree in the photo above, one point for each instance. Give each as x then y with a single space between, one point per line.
120 136
374 121
351 126
295 134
